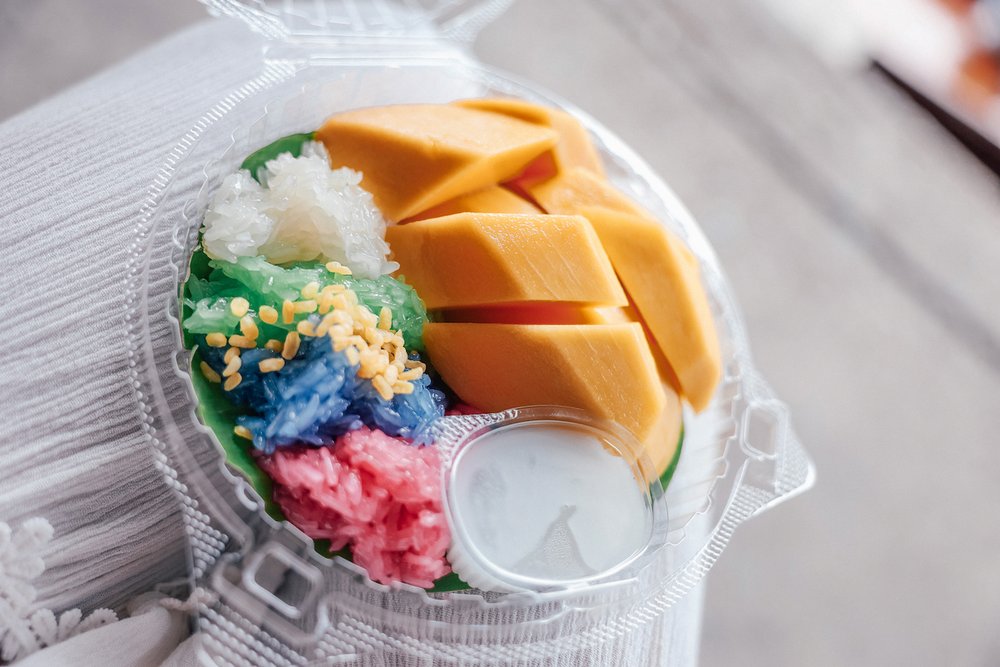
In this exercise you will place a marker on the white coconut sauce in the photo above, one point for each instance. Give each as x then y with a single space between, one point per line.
549 501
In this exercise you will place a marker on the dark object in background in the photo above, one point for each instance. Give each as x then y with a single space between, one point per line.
984 149
965 100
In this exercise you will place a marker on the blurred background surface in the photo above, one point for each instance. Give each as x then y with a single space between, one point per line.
861 237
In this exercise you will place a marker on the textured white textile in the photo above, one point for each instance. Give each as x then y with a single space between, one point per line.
74 172
147 638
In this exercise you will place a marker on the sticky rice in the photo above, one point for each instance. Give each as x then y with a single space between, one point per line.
318 396
301 211
375 494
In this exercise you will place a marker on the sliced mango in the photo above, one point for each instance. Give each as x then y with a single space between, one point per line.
574 148
565 313
414 157
568 193
663 279
607 315
661 443
529 112
613 315
476 259
521 313
492 199
606 370
544 313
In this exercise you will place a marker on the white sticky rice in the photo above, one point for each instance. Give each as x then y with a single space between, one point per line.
301 211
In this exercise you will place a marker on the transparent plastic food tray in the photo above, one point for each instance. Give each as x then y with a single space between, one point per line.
273 599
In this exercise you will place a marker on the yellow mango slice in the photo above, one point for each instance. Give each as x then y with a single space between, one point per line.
414 157
663 280
544 313
661 443
476 259
509 106
574 148
614 315
520 313
606 315
565 313
568 193
607 370
492 199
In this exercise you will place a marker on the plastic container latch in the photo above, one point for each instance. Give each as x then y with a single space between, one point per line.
766 432
277 583
281 579
382 22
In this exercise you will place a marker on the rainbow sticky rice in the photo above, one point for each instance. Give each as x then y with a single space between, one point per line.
376 494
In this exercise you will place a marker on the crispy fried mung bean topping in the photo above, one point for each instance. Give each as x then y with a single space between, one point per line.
271 365
385 318
216 339
337 267
232 367
239 306
237 340
232 382
268 314
209 373
310 291
248 327
366 338
291 346
307 306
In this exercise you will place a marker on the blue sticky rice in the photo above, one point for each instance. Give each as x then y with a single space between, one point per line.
318 396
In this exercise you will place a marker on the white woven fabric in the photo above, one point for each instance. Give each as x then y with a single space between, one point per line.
150 636
74 172
24 627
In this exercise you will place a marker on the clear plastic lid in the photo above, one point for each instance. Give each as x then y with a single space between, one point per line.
278 601
349 21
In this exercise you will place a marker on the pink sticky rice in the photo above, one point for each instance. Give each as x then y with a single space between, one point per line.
377 494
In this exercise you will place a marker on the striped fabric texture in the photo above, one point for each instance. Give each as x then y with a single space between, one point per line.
74 172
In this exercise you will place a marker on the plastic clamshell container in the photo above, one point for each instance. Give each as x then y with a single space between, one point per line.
273 599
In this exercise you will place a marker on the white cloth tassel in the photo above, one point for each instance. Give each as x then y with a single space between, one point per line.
24 629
